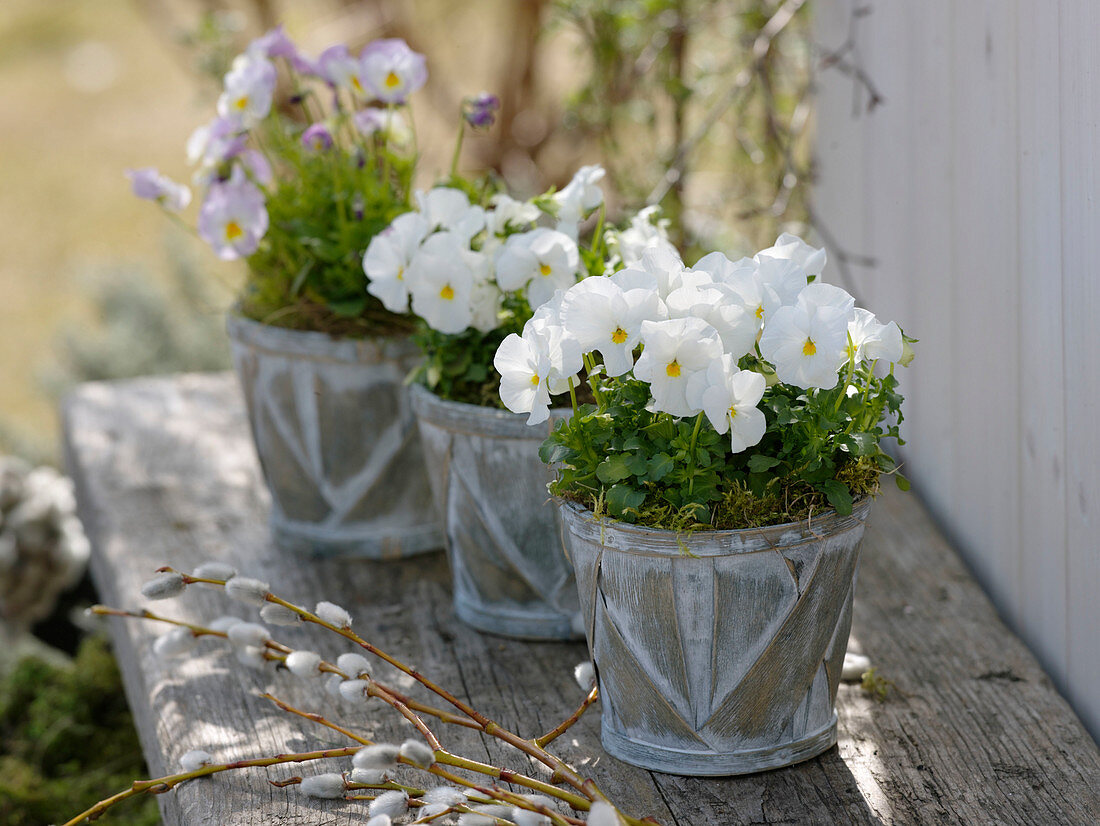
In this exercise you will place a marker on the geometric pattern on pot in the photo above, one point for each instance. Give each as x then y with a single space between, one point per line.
501 528
336 440
727 661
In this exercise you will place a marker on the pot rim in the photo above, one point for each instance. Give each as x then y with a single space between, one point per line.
462 417
633 539
283 341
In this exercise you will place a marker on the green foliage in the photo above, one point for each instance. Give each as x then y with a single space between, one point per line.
144 328
876 685
67 741
326 207
822 449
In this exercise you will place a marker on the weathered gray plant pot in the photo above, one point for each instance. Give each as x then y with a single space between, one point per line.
503 537
337 441
724 660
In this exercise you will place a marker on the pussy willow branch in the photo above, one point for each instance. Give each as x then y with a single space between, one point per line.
162 784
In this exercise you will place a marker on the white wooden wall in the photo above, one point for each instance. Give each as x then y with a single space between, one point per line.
975 186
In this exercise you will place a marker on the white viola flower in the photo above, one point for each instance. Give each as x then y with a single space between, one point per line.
757 298
542 260
578 197
445 208
509 214
195 759
333 614
566 357
339 68
646 230
874 340
818 295
442 283
325 786
523 363
388 257
807 344
722 309
392 70
721 269
666 266
783 275
729 397
810 259
602 316
303 663
672 352
249 89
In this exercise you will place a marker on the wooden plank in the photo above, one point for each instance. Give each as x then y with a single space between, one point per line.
165 474
1042 383
1080 125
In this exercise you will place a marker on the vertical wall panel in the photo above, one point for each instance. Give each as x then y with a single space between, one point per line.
978 182
1042 515
1080 146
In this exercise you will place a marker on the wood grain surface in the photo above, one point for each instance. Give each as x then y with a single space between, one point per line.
973 731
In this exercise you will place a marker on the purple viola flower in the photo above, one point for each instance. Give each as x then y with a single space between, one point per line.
233 217
392 70
256 163
213 144
150 184
317 138
249 90
342 70
389 123
276 43
480 110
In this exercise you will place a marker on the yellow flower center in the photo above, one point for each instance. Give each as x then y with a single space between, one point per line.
400 273
673 370
760 311
233 231
544 269
447 293
619 336
356 84
733 413
534 381
392 81
809 348
241 102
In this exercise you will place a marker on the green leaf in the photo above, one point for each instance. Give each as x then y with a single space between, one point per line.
551 452
865 443
839 496
659 466
614 469
759 463
349 308
621 497
901 481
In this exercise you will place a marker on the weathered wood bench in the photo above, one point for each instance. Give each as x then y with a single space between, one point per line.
973 731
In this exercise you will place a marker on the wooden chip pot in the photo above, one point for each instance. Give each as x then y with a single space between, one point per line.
337 441
511 576
721 657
